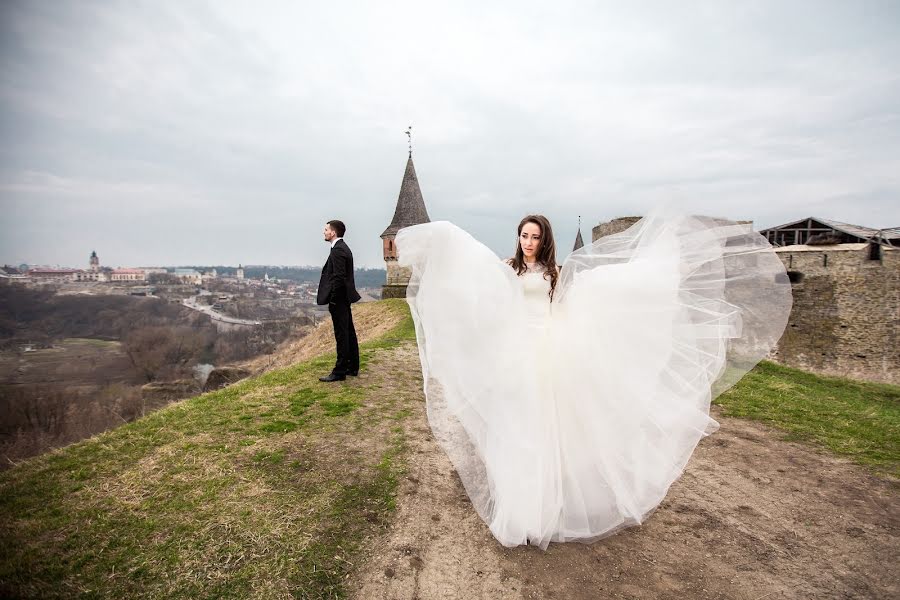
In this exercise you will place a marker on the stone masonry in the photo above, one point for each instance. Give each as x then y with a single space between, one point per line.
845 316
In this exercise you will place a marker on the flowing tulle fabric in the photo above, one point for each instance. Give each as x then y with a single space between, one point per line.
570 419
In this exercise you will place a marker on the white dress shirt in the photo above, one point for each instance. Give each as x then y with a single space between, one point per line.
335 241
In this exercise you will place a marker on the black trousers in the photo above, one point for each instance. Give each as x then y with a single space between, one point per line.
345 338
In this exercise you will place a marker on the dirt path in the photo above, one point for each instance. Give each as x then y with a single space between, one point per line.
752 517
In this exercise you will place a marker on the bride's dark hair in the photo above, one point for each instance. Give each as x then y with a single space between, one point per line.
546 254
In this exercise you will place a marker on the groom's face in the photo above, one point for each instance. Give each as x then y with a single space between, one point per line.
329 233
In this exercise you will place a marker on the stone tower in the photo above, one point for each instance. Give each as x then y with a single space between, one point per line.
240 272
95 261
617 225
410 211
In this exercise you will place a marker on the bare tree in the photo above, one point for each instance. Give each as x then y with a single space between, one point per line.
147 348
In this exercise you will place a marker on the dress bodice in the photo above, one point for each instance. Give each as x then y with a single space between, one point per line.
536 290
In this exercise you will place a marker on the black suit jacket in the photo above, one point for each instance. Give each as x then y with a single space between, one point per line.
336 283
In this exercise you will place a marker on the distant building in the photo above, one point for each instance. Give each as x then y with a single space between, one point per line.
94 272
410 210
189 276
81 275
815 231
9 273
42 274
240 272
128 275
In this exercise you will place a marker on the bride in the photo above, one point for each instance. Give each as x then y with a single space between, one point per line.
569 400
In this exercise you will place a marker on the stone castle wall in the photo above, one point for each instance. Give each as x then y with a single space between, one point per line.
397 275
393 291
610 227
397 280
845 315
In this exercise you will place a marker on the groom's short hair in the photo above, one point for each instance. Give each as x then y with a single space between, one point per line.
338 226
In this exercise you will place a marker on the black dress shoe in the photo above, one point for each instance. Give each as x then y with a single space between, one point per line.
333 377
353 373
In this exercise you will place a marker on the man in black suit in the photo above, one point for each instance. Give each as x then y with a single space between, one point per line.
338 290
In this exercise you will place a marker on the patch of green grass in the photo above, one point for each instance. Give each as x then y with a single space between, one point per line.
279 426
338 407
269 457
344 401
244 492
303 399
856 419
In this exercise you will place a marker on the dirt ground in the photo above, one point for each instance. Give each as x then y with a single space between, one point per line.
71 362
752 517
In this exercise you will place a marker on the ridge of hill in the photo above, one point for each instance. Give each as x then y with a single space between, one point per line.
371 321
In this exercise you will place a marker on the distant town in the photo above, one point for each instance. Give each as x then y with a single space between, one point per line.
293 285
88 348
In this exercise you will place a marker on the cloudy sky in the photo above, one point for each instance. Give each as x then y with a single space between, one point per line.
222 132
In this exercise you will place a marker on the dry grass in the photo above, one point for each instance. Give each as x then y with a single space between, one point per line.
264 489
370 320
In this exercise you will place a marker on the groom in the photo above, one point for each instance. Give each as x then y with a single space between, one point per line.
337 289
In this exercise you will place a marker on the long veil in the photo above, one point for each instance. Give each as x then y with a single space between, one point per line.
732 289
658 320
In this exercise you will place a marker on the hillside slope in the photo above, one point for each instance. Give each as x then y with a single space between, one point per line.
283 487
263 489
371 320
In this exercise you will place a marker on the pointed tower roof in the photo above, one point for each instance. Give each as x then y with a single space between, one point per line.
579 242
410 204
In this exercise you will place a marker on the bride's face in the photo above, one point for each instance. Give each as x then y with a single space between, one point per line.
530 240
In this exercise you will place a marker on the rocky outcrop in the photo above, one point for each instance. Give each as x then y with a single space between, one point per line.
222 376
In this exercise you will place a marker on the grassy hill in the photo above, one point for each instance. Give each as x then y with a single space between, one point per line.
271 487
262 489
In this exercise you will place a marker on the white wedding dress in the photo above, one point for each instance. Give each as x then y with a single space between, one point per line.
570 419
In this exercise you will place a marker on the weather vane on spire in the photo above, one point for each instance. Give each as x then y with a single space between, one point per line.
408 133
